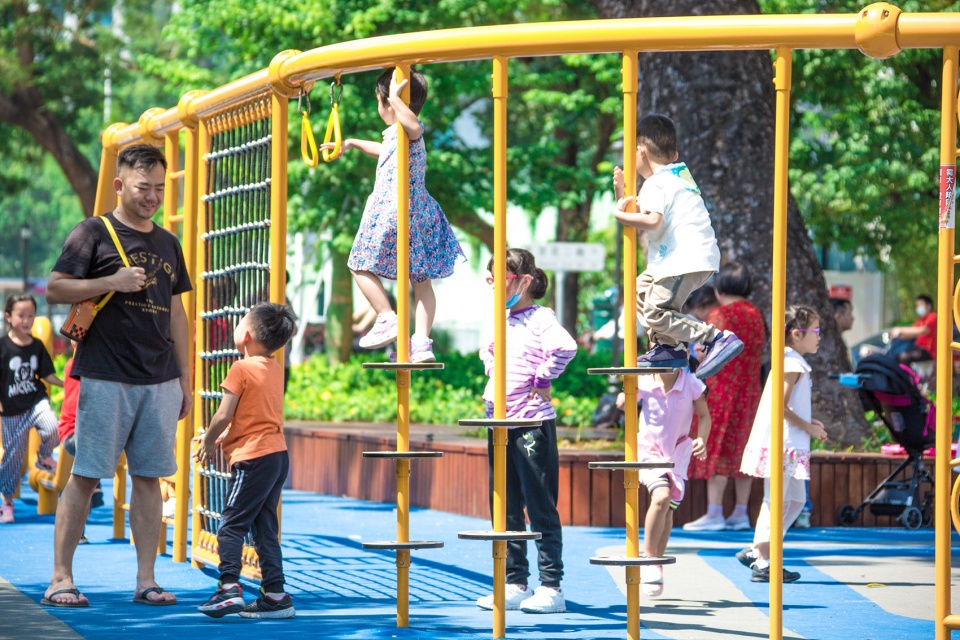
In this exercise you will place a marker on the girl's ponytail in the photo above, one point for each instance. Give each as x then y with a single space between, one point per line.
539 287
521 262
798 316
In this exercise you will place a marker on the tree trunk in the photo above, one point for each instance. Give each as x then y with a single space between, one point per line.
723 104
470 223
338 333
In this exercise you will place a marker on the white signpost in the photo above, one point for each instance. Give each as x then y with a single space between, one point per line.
564 257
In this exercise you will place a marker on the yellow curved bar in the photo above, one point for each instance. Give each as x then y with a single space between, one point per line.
956 305
954 511
333 131
290 70
308 144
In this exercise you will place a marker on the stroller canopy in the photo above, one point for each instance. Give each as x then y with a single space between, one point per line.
890 390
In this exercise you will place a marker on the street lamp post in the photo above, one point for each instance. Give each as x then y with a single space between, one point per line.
25 242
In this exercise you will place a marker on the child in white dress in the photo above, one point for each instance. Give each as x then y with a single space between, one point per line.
802 327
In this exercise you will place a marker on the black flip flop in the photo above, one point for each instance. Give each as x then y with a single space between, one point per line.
47 602
142 598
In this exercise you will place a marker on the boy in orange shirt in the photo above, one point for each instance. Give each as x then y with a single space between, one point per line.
256 453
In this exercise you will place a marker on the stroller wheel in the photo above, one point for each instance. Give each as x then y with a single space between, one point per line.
912 518
846 515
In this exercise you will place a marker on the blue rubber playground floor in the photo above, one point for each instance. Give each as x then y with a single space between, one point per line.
857 584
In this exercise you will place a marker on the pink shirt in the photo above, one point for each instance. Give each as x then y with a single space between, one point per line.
665 420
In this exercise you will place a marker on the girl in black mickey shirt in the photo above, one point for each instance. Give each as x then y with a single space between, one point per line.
24 366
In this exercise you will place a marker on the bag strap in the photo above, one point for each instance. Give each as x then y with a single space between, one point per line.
123 256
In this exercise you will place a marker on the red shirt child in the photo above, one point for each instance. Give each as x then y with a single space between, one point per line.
68 410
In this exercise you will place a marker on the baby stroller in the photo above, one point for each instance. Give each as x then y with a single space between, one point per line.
890 390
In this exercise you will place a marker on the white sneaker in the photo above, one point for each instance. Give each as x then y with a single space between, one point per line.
737 523
170 508
384 332
545 600
513 596
802 521
651 580
706 523
421 350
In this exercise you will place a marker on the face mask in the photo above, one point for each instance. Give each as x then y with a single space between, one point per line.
921 310
513 300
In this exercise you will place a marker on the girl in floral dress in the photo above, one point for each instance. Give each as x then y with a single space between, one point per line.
434 250
802 327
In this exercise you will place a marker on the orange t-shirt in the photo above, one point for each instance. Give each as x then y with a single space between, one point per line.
257 426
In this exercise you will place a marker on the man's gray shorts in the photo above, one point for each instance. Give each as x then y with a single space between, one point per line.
139 419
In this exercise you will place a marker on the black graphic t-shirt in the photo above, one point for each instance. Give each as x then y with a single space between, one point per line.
23 369
129 340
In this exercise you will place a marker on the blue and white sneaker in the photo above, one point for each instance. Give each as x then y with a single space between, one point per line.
724 348
665 357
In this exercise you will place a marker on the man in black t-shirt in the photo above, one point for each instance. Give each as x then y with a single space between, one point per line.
133 367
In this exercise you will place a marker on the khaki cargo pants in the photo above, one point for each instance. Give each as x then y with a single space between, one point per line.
658 309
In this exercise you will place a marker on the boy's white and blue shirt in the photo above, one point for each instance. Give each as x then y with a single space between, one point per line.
685 242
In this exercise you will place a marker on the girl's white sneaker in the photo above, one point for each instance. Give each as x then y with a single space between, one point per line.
545 600
513 596
651 580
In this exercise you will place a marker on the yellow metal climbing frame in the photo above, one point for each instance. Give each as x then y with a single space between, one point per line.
880 30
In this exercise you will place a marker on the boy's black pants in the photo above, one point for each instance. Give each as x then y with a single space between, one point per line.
533 480
252 499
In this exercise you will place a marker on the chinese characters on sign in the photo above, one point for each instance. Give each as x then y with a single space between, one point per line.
948 185
569 256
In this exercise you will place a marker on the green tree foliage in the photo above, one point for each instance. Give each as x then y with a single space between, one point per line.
563 111
55 59
865 148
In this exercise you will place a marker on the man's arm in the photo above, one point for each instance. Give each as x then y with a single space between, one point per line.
180 332
63 288
909 333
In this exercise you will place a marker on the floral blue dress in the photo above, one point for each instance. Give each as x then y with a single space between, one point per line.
434 250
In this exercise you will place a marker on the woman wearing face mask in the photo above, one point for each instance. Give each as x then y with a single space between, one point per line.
538 350
923 333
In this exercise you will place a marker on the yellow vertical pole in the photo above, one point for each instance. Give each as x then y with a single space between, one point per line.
280 112
500 89
106 198
631 477
200 286
402 73
278 200
120 498
46 498
186 429
945 269
171 191
782 83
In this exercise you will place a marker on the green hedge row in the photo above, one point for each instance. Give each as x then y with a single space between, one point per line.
347 392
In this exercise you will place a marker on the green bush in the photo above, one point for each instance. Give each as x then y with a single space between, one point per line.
348 393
